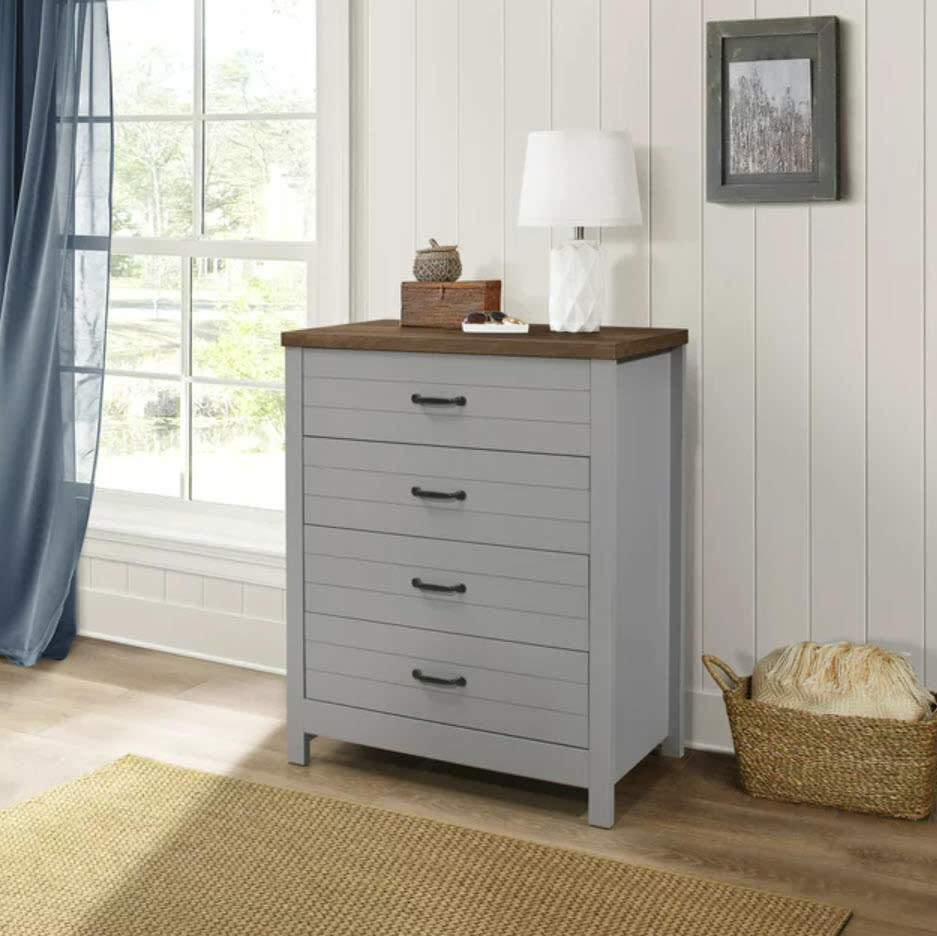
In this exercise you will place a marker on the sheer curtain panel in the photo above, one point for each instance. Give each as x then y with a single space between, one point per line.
56 138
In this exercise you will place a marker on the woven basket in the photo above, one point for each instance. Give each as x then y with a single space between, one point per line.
436 264
869 765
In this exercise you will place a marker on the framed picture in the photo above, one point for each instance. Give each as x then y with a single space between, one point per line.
772 118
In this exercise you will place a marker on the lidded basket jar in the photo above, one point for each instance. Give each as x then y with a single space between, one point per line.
435 264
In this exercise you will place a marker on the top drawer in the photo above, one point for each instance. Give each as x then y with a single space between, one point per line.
513 404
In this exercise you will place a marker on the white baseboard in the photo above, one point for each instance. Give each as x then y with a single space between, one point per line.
236 639
707 725
208 657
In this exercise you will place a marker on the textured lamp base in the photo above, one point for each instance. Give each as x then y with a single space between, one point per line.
577 286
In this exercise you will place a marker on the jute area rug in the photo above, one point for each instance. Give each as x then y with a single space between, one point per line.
140 847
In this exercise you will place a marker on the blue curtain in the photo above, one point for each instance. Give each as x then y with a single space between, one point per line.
56 143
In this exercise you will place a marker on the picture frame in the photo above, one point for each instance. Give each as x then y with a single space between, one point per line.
772 116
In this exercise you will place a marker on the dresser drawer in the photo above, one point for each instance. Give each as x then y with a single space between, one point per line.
531 596
499 670
411 679
512 404
501 498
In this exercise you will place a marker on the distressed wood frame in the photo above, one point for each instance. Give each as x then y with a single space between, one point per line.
814 37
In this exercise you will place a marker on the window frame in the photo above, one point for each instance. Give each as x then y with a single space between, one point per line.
327 261
185 251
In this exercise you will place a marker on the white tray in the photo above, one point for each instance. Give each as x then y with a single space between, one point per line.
502 328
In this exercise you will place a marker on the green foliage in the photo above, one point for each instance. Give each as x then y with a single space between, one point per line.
239 418
139 417
239 309
153 164
153 179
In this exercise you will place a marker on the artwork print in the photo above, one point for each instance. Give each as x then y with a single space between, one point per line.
772 110
770 117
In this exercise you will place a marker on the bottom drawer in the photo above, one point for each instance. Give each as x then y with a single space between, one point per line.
439 679
557 763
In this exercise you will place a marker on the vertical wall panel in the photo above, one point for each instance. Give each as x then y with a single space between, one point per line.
930 637
782 367
263 603
782 464
574 75
729 426
675 201
574 64
837 357
805 431
107 575
146 582
223 595
895 313
437 121
481 138
391 159
526 108
360 128
184 589
626 92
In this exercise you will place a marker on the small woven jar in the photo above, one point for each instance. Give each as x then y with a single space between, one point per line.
435 264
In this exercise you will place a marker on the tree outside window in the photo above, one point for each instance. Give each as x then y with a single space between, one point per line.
214 242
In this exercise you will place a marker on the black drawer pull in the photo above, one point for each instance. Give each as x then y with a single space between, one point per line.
437 680
437 495
459 589
438 401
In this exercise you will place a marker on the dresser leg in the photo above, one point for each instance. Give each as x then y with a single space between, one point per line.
297 746
602 805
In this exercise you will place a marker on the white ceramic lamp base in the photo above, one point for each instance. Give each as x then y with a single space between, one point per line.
577 286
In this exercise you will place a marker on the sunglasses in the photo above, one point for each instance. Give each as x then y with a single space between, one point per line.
479 318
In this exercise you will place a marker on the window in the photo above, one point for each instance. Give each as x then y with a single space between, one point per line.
213 245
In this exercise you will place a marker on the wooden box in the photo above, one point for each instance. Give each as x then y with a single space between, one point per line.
445 305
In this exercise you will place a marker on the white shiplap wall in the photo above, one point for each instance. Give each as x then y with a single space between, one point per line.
812 369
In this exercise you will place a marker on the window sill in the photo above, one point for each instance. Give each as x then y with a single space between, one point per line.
241 543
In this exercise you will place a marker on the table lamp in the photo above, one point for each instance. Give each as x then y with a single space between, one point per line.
580 179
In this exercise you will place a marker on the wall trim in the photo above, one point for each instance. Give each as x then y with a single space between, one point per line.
249 533
193 559
234 639
707 727
161 648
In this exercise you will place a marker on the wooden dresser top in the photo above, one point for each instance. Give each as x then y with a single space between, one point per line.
608 344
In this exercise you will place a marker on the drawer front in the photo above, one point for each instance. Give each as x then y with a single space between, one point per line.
535 565
556 763
482 697
499 498
386 396
531 596
503 656
448 707
511 404
479 370
497 670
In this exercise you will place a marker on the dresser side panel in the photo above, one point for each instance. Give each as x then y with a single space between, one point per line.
295 637
642 648
673 745
603 593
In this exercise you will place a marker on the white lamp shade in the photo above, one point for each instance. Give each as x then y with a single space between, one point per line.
579 178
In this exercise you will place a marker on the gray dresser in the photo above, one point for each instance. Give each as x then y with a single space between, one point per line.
484 547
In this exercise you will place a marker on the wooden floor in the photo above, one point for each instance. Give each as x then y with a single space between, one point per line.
58 720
